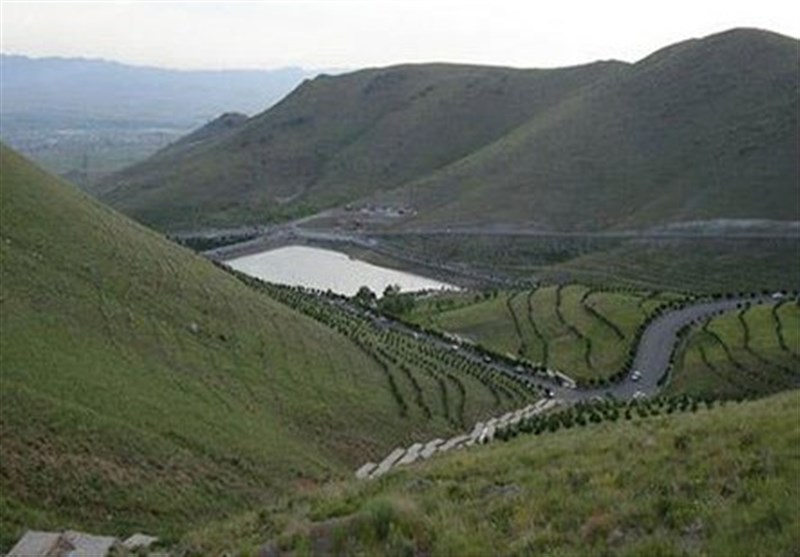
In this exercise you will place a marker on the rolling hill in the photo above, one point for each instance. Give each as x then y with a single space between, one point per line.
703 129
719 481
145 388
335 139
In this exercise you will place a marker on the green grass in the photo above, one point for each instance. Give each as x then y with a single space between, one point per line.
588 335
143 388
602 159
339 138
690 265
456 143
721 360
711 482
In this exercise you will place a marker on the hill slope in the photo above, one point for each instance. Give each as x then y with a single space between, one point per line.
340 138
144 388
702 129
730 488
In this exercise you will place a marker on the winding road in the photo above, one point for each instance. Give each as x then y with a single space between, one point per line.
652 354
655 349
651 360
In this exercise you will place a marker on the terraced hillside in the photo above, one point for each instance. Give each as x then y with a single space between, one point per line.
425 376
144 388
752 352
589 489
584 332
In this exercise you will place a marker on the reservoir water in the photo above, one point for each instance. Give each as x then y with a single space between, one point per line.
327 269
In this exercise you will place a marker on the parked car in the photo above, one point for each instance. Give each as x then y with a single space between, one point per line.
636 375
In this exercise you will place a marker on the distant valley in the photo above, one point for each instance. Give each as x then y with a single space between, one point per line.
85 118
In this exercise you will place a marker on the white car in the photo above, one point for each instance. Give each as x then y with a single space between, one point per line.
636 375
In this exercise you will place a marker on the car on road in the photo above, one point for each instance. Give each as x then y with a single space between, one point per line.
636 375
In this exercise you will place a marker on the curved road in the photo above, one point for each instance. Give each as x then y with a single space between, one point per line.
655 348
652 355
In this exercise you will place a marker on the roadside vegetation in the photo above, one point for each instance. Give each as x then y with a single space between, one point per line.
599 489
748 353
587 333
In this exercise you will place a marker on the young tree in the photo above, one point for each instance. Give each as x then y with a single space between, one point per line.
365 297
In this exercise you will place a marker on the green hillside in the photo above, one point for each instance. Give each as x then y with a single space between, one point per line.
705 482
700 130
335 139
745 354
584 332
725 260
144 388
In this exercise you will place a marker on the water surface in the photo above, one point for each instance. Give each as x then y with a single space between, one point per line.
327 269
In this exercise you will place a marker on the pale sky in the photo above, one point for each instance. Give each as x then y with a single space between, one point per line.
361 33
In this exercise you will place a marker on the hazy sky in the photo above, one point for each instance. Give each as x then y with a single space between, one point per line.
358 33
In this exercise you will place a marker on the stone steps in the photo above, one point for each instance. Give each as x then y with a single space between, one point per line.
482 433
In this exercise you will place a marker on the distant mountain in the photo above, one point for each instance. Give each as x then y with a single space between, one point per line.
335 139
702 129
85 118
77 91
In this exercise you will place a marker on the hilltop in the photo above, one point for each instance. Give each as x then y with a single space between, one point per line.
704 129
145 388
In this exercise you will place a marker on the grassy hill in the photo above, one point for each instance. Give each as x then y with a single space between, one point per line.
700 130
144 388
335 139
709 482
749 353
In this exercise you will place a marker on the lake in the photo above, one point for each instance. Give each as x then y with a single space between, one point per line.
327 269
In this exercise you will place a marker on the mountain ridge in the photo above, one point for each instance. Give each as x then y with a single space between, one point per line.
595 147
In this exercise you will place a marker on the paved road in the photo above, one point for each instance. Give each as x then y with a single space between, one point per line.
651 360
655 348
652 355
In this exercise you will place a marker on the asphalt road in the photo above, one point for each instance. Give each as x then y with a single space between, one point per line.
655 348
652 355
